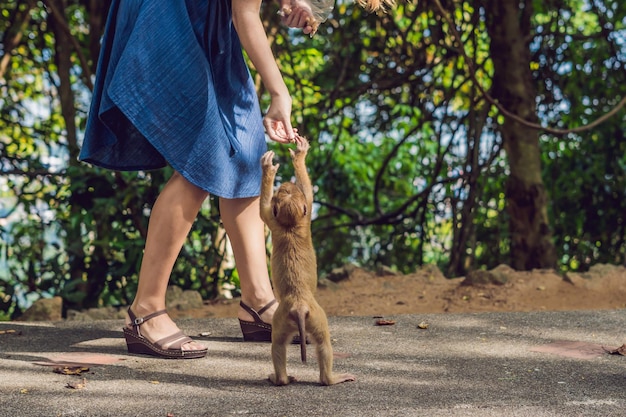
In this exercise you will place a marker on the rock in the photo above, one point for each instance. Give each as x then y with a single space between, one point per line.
383 270
340 274
326 283
481 277
503 269
103 313
595 273
176 298
604 269
44 309
501 274
431 272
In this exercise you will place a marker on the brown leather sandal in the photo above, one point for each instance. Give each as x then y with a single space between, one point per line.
137 343
257 330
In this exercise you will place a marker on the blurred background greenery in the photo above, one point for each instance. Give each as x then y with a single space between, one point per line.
426 146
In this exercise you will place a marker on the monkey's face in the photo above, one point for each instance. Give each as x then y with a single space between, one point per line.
289 205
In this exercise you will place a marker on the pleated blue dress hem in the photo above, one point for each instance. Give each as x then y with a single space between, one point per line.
172 87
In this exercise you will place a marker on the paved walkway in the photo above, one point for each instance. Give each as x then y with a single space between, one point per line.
505 364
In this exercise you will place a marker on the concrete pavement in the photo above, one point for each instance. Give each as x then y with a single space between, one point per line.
489 364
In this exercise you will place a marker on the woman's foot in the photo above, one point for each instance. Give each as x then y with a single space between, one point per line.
266 314
256 324
159 328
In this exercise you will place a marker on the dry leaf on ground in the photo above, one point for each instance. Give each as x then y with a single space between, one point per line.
619 351
70 370
77 385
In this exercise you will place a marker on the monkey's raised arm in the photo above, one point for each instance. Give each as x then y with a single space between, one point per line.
267 187
302 177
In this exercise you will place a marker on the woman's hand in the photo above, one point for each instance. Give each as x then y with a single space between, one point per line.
277 121
297 14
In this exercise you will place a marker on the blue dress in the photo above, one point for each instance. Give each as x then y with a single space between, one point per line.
172 87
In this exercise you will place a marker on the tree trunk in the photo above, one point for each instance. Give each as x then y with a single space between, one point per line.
508 24
89 288
97 10
18 19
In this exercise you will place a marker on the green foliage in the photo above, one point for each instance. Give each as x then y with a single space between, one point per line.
407 158
389 146
580 64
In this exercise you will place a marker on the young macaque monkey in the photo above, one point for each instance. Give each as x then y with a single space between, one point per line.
287 213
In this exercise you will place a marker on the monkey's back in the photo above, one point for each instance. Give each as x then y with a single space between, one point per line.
293 261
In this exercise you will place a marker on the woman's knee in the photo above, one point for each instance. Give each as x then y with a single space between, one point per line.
182 184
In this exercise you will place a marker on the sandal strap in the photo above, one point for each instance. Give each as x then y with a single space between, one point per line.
257 315
138 321
167 343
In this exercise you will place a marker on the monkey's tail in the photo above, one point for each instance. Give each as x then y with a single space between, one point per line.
300 314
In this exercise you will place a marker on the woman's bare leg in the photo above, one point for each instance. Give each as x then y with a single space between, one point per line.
172 216
246 231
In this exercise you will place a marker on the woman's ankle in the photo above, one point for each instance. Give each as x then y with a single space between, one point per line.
141 308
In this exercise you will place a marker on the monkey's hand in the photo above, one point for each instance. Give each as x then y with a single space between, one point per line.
267 186
302 147
302 177
267 164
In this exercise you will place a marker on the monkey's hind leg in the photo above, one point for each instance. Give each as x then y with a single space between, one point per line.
280 336
325 352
